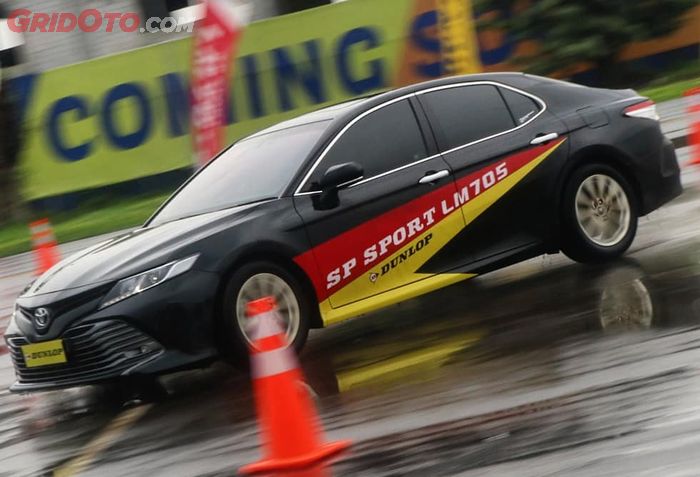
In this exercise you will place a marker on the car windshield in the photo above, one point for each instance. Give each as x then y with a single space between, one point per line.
256 168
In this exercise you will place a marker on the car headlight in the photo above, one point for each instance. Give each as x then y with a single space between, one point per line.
131 286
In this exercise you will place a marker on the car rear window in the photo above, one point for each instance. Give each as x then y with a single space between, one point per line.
466 114
523 107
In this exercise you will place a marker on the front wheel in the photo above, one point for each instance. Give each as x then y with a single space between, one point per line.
257 280
599 214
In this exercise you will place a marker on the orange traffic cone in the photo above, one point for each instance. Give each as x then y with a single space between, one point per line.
289 426
44 244
693 96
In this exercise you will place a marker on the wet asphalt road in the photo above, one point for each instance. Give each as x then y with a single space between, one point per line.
545 368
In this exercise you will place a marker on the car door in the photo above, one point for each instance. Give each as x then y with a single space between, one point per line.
388 224
505 150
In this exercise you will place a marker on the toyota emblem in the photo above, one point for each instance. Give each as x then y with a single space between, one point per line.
41 317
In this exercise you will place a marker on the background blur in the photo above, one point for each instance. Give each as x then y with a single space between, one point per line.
543 368
94 128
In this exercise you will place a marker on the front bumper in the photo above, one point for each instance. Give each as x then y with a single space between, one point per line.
96 351
164 329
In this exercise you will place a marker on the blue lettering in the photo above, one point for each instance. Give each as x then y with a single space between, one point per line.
230 110
177 102
250 73
22 88
374 79
61 107
427 42
287 71
114 96
501 53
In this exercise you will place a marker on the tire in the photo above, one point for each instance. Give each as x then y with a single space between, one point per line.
255 280
599 214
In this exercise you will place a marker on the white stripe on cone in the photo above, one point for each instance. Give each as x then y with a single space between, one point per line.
266 325
272 363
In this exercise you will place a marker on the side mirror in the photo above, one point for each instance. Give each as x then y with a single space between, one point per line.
335 178
341 175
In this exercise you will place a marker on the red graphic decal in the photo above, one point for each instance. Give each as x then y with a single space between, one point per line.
338 261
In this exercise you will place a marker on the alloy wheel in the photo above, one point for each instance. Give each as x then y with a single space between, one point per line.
263 285
602 210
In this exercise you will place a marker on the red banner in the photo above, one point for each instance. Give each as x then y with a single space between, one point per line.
215 41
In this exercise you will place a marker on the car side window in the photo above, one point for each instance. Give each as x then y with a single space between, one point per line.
523 107
383 140
466 114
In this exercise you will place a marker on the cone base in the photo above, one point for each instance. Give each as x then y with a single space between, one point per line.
326 451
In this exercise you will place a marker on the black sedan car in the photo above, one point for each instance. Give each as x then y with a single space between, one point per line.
346 210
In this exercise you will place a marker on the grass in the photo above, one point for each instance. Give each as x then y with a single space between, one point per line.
673 83
92 219
669 91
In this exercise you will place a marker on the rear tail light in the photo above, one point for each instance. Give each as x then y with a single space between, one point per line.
646 109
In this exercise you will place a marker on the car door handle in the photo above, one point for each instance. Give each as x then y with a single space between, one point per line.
431 177
541 139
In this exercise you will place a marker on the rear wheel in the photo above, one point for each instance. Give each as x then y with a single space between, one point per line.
257 280
599 214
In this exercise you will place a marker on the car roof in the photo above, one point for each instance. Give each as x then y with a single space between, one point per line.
328 113
339 114
413 88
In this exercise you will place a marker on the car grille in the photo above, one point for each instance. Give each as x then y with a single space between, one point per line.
95 351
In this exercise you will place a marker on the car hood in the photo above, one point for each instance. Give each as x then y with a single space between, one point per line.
135 252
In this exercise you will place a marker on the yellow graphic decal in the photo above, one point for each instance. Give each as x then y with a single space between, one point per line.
395 278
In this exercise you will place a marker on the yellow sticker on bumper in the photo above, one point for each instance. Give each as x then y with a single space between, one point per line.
44 354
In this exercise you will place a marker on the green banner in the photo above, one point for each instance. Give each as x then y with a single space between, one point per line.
126 116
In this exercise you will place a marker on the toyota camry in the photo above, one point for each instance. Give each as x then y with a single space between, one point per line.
346 210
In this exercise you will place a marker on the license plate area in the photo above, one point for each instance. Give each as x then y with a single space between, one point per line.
44 354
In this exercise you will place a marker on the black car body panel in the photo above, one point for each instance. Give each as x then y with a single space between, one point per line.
137 251
428 212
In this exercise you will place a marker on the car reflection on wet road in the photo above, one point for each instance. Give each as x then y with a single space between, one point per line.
544 368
